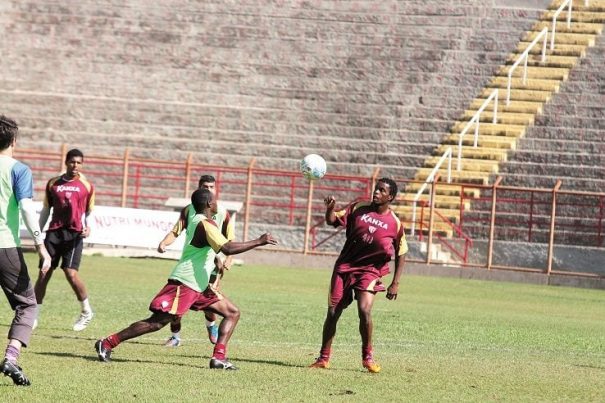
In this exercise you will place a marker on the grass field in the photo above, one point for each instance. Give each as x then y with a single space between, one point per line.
442 340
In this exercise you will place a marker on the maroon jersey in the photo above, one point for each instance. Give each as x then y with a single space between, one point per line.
373 239
70 200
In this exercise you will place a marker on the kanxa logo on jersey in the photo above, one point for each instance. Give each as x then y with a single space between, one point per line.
374 221
67 188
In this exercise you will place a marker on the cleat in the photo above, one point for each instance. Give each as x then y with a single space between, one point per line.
225 364
212 333
15 372
371 365
320 363
104 354
172 342
83 321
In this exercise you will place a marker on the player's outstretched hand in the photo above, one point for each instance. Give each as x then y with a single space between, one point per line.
392 291
330 202
267 239
161 247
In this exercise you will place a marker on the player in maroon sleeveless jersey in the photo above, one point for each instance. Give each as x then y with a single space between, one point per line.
374 237
71 197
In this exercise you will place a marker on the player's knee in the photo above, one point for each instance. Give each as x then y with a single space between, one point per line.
365 313
233 312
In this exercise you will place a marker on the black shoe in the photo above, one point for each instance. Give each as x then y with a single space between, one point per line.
104 354
15 372
215 363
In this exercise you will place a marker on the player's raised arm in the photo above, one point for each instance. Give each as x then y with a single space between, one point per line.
330 203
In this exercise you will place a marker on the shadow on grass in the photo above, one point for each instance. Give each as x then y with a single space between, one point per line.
93 357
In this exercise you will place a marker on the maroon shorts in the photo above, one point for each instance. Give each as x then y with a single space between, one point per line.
176 299
342 286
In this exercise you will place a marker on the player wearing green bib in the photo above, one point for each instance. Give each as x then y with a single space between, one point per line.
187 286
225 224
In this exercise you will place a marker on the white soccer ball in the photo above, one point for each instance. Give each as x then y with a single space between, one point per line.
313 167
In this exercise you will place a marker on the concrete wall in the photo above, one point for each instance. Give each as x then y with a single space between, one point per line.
282 77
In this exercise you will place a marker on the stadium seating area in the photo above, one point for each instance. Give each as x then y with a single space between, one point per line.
370 83
367 84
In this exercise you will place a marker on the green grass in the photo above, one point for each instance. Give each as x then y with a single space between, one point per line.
443 339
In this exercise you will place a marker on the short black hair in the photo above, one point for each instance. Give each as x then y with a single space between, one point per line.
200 199
8 132
205 179
74 152
392 186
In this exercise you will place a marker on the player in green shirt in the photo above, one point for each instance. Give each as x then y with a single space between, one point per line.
224 222
187 286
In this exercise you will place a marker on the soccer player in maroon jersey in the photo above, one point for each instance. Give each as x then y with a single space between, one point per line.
374 237
71 198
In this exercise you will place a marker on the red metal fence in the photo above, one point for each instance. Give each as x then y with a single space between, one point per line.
548 216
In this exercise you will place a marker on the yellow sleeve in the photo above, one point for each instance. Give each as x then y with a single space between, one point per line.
215 239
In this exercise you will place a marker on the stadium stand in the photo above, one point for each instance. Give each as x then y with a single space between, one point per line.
368 84
358 83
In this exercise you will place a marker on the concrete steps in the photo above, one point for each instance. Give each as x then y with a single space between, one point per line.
508 118
477 177
487 153
515 106
473 164
491 129
543 79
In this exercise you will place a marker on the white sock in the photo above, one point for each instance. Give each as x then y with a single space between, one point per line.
86 305
176 335
208 323
38 309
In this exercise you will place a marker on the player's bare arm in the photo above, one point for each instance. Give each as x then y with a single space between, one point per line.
86 229
167 241
393 289
233 248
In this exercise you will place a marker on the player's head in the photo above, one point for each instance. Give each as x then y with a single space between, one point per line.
73 161
74 152
387 187
207 182
202 200
8 132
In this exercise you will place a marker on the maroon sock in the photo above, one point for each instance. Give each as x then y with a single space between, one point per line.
366 353
220 351
111 342
324 353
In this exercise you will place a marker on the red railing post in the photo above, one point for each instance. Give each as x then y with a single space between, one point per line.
374 180
309 218
63 155
531 216
125 177
188 175
462 197
137 186
248 199
551 240
492 224
420 234
600 225
292 205
219 180
431 218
